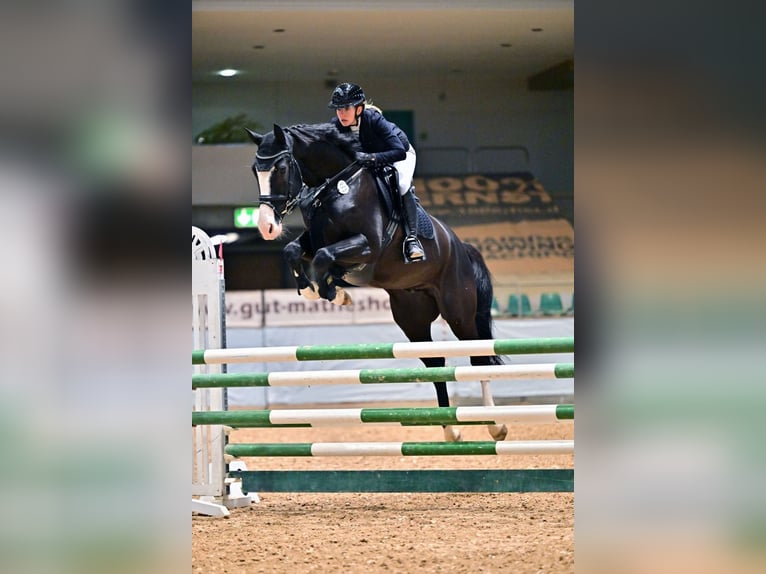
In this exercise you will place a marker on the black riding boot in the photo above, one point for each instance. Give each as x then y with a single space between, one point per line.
413 250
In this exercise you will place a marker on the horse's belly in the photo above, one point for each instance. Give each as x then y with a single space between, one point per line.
360 277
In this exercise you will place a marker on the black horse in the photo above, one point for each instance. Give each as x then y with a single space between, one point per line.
351 235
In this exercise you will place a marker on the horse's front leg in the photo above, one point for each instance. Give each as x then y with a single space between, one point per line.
296 254
350 251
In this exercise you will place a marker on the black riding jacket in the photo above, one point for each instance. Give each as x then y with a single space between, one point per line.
379 136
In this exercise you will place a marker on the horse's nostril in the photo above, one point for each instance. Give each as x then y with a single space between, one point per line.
271 228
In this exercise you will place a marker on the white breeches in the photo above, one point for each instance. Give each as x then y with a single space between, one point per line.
406 169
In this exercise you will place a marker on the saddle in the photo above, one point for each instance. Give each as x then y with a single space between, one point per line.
387 182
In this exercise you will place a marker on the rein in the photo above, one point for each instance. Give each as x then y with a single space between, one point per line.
315 192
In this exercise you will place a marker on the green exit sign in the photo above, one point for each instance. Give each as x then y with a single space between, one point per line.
245 217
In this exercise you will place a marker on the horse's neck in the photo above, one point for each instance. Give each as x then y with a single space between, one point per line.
319 161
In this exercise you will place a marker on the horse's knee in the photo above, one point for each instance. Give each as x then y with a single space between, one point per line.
292 252
323 259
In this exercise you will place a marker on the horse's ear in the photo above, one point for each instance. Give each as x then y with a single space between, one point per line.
257 138
279 135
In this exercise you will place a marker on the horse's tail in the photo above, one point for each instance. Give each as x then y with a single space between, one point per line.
484 296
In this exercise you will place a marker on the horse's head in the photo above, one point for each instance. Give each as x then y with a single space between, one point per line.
279 179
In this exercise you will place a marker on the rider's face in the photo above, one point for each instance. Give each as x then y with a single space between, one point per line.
346 116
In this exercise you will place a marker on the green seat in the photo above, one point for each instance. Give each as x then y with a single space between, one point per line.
495 309
519 306
570 311
551 305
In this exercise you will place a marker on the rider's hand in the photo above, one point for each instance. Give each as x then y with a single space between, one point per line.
365 159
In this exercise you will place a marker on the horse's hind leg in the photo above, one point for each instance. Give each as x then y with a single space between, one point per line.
461 317
414 311
497 431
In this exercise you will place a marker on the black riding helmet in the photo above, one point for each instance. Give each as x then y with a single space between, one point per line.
346 95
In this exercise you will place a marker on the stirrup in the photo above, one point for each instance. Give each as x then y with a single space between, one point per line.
413 243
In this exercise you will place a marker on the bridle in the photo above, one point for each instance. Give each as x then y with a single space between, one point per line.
297 190
294 182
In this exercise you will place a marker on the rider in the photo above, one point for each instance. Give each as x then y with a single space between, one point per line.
382 142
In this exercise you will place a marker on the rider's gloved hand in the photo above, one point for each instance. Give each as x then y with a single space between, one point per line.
365 159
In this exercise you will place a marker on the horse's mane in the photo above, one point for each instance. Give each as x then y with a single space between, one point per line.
308 133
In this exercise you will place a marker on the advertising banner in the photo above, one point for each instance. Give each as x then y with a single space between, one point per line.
285 308
510 218
539 247
486 199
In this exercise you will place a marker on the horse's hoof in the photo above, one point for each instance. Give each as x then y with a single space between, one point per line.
451 434
498 432
309 293
342 298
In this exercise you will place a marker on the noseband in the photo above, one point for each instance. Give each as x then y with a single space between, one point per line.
294 183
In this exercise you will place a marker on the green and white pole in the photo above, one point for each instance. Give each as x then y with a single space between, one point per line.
529 414
401 448
479 348
374 376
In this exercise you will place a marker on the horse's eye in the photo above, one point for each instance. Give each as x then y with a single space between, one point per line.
282 168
